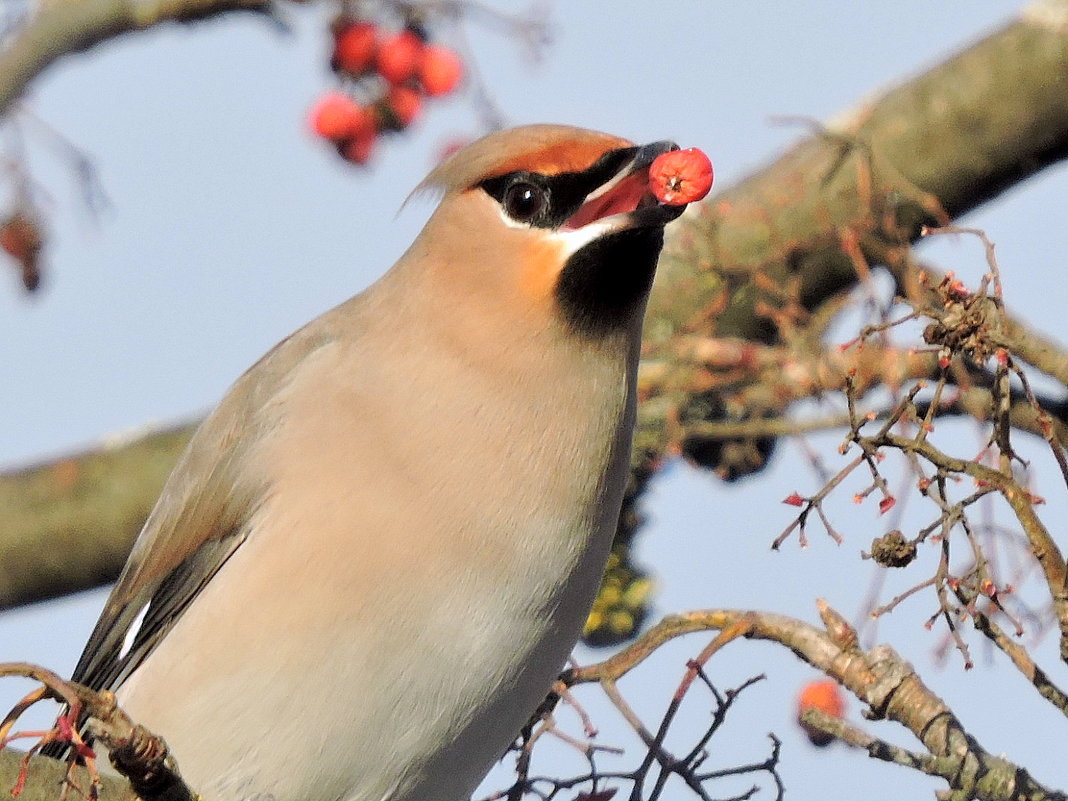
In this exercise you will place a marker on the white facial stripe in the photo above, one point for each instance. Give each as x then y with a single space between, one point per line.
576 238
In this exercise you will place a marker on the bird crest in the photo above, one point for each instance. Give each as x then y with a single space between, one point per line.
541 149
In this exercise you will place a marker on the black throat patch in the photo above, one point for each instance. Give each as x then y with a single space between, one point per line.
603 285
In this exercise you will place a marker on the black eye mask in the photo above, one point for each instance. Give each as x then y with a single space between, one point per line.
549 201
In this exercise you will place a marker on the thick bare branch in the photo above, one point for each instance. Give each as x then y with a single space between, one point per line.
68 525
874 172
60 27
872 178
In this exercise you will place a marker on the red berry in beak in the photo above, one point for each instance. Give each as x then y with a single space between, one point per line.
681 176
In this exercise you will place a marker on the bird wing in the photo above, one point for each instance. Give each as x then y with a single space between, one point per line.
202 517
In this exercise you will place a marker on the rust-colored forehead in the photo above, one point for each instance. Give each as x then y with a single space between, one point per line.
544 149
569 156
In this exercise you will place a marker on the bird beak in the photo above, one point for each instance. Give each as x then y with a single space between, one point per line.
626 197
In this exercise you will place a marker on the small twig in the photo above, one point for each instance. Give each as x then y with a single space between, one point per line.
135 752
897 599
815 502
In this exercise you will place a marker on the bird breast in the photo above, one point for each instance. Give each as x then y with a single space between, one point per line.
471 510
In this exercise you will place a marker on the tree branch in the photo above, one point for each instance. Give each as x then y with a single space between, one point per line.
874 176
60 27
68 525
879 677
142 757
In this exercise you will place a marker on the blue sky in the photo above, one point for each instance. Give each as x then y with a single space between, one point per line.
229 227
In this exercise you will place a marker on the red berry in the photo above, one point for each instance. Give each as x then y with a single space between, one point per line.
440 70
358 149
355 45
793 499
404 105
399 56
681 176
20 236
336 116
825 696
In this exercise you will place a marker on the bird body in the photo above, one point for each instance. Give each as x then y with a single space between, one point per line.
549 439
376 554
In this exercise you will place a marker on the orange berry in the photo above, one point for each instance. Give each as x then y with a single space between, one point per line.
337 116
399 56
681 176
20 236
355 45
440 70
403 105
826 696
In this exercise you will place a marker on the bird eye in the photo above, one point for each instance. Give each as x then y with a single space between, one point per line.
524 201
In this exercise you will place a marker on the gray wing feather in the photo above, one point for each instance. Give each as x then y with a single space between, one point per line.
201 519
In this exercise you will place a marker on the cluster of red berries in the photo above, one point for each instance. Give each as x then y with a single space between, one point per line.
397 70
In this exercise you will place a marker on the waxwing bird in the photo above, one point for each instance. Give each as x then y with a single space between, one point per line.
378 551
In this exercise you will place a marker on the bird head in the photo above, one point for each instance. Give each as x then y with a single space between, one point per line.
555 223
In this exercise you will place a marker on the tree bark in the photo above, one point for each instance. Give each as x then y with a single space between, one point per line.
45 778
68 525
